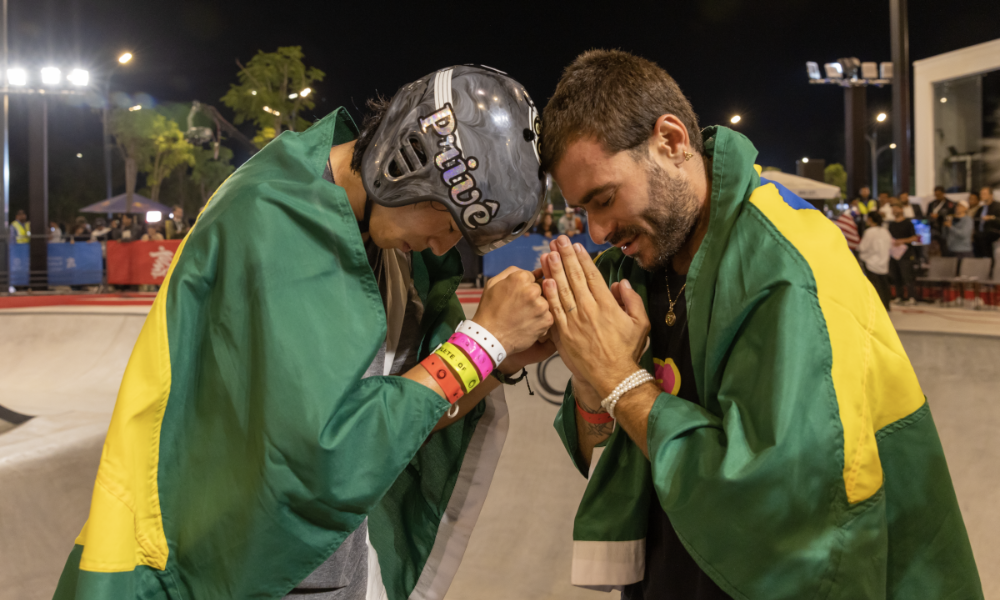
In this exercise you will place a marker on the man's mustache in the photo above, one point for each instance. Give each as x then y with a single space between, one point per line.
625 233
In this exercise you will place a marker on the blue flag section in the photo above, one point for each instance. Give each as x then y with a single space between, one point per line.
19 258
524 252
75 264
69 264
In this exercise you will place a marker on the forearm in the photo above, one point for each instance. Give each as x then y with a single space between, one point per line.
466 403
589 435
632 413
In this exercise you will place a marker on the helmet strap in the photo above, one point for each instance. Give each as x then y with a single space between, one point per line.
363 223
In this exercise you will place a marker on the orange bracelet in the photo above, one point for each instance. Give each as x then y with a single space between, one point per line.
443 376
595 418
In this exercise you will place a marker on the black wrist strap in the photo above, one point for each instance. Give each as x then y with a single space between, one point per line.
513 380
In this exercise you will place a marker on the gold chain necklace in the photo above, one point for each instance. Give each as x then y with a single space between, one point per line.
671 317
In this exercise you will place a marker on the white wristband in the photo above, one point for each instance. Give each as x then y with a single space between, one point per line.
485 339
630 383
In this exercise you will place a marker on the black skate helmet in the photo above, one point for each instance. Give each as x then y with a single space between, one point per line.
467 137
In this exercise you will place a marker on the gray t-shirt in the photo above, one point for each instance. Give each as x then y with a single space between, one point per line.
344 576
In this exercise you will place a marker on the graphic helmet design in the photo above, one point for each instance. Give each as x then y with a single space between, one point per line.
467 137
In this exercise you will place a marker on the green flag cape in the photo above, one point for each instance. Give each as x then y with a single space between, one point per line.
811 466
245 445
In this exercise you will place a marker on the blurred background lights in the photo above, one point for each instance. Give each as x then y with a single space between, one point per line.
79 77
735 119
305 92
17 77
135 108
805 159
51 76
154 216
124 58
881 117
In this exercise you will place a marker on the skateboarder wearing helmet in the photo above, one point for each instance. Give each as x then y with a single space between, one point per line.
304 407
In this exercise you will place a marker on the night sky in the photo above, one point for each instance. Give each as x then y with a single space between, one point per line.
729 56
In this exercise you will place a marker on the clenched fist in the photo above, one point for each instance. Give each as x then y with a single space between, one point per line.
513 310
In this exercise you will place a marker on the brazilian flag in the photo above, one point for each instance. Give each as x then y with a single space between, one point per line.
245 445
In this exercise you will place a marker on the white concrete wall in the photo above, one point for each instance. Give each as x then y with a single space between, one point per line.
981 58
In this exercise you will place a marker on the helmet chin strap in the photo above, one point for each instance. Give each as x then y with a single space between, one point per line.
363 223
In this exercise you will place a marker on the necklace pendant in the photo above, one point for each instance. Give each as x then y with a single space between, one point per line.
671 318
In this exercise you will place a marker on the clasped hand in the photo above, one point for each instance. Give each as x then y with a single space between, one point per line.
600 333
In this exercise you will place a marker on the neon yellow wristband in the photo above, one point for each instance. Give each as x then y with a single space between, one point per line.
460 364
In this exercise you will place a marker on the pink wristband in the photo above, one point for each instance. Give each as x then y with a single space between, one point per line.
475 352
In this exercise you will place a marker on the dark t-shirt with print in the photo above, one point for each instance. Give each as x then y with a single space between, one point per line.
671 573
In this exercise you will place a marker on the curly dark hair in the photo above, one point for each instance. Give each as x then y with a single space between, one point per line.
616 98
376 110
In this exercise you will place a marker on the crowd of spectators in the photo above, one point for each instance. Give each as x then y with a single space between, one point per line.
572 222
122 228
883 236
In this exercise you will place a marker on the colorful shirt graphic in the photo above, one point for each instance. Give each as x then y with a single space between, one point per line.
668 375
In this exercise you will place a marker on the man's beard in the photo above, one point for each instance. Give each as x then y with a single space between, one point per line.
670 219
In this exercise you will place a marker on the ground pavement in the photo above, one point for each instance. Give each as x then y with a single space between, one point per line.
63 358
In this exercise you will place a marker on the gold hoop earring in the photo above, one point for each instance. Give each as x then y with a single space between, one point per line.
688 156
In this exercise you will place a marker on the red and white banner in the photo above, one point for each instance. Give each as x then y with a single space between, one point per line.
136 263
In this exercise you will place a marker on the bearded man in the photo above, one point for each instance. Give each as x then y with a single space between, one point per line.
791 452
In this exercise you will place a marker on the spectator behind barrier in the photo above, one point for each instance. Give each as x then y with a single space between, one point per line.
874 253
958 232
569 225
176 227
55 232
903 263
546 226
20 228
129 231
986 224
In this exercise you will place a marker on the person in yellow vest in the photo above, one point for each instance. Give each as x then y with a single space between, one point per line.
20 228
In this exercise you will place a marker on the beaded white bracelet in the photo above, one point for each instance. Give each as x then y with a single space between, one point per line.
485 339
631 382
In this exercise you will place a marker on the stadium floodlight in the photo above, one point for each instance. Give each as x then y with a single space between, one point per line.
51 76
869 70
124 58
78 77
850 67
834 70
885 70
813 69
17 77
154 216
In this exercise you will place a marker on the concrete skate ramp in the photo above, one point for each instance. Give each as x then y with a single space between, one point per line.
64 367
67 367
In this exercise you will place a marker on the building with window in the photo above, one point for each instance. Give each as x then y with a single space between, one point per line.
956 116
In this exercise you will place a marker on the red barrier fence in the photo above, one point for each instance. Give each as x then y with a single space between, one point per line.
136 263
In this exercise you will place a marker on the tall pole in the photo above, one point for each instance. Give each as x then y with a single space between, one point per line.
855 119
107 134
901 129
38 190
873 146
4 161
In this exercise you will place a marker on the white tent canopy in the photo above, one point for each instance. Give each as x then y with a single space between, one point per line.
803 187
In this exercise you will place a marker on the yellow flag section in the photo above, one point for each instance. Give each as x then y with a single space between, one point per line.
125 527
872 376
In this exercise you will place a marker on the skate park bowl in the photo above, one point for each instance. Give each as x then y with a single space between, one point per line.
63 361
